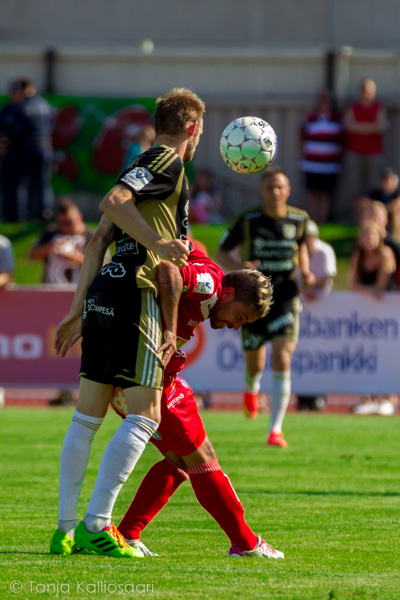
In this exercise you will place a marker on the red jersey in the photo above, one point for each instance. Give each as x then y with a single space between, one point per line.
201 289
365 143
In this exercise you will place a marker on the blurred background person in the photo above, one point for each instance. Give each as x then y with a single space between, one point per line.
388 193
6 262
372 265
39 151
205 199
322 263
365 123
322 145
142 138
62 245
323 267
14 134
376 212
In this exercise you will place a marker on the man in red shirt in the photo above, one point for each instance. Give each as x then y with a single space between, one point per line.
228 301
365 122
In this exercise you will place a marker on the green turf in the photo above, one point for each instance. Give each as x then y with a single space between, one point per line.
330 502
24 235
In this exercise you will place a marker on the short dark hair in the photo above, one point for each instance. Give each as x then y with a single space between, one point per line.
176 109
272 171
252 288
65 205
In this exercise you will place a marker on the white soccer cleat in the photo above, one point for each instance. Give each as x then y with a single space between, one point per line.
262 550
140 546
366 408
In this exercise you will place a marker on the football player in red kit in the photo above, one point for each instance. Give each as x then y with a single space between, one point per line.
228 301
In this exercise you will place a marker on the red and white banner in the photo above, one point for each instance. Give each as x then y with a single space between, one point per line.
349 344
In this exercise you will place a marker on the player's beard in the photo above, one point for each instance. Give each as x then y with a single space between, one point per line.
191 148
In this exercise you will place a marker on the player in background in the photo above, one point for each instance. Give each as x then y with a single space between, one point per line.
270 238
146 215
228 301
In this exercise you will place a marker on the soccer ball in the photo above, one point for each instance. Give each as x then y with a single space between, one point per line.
248 145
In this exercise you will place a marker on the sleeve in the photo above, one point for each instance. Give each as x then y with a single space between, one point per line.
233 236
152 176
330 262
199 280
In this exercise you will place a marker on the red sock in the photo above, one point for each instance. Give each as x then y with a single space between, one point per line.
215 493
160 483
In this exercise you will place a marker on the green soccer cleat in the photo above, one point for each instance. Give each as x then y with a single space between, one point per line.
108 542
61 543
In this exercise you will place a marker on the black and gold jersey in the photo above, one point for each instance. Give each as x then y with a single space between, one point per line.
158 182
274 242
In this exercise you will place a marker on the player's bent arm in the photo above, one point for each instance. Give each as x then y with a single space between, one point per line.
119 206
170 285
229 259
70 328
304 266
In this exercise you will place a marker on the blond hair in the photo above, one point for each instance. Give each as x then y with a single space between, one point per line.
176 110
252 288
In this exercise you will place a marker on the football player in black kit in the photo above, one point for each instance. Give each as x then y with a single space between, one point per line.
145 214
271 239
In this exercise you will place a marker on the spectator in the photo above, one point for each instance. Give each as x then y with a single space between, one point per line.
322 141
205 199
14 132
323 267
371 268
6 262
322 263
62 246
365 122
376 211
142 138
39 151
388 192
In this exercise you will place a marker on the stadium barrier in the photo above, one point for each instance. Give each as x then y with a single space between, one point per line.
348 345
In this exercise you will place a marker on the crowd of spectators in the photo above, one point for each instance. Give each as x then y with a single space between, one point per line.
345 176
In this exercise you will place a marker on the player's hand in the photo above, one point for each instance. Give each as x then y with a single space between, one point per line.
67 333
168 347
176 252
308 279
251 264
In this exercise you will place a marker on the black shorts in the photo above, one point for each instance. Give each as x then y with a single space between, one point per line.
281 321
121 335
320 182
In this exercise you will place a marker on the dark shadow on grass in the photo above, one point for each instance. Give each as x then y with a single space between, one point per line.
316 493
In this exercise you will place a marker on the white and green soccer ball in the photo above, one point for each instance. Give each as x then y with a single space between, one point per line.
248 145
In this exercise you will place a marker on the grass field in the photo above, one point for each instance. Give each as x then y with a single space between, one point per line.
330 502
24 235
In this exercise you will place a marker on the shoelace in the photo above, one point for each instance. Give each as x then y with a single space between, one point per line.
118 536
273 551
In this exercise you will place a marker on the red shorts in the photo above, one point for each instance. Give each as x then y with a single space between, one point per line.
181 429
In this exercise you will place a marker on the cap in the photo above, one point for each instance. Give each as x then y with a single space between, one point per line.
312 228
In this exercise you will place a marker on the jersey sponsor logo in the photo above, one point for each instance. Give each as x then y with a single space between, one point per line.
275 266
125 247
280 322
91 306
175 401
137 178
114 270
289 230
205 284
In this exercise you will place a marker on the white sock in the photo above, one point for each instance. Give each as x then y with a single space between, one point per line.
119 460
73 462
280 396
253 384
